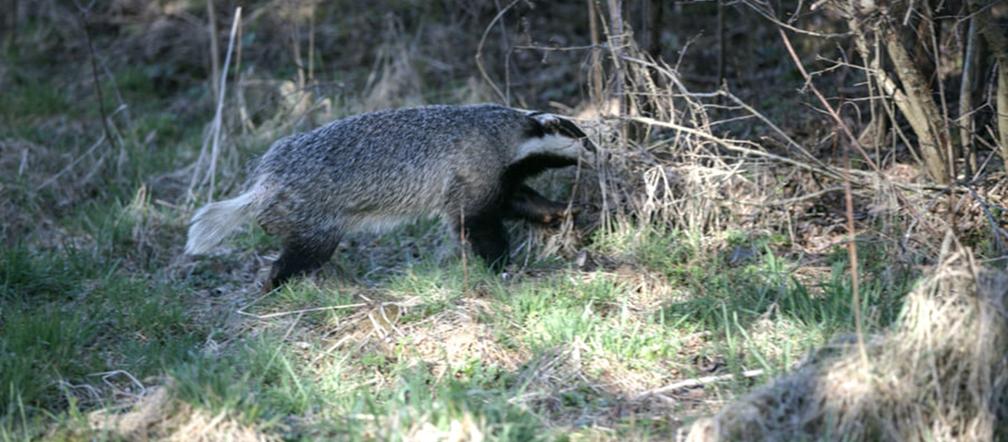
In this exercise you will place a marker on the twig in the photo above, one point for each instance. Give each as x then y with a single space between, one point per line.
774 20
301 311
479 51
852 257
617 42
220 103
966 130
94 74
215 126
214 51
696 382
720 43
998 244
833 113
791 142
562 48
731 145
106 375
798 199
70 166
596 65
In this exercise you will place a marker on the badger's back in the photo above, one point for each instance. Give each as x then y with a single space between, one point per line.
382 165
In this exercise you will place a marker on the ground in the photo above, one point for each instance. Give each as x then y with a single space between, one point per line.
108 332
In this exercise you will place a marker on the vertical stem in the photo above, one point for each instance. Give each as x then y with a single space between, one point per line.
657 17
720 43
596 65
943 119
295 34
644 28
217 123
852 255
616 42
311 44
1002 106
97 82
966 128
214 50
998 43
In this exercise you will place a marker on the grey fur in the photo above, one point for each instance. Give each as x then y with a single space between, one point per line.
376 170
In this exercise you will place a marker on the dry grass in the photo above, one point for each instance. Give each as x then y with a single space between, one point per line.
939 375
156 416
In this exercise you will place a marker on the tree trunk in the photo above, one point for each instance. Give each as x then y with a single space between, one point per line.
920 109
998 43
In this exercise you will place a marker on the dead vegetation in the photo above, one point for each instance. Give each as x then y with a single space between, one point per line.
940 374
155 416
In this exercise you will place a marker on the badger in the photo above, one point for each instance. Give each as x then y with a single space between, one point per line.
370 172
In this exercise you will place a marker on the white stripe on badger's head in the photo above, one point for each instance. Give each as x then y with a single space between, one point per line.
552 135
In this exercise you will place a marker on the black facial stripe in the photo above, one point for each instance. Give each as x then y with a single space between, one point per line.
533 165
566 127
553 126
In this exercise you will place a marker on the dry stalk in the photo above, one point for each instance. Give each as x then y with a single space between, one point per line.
479 51
214 135
938 375
822 100
853 258
214 48
94 74
696 382
966 125
596 66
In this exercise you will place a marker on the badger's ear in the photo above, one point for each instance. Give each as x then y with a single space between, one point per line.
542 124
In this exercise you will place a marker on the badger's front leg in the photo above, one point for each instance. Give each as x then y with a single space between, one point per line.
531 206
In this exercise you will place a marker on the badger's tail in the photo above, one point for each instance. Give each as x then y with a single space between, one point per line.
215 221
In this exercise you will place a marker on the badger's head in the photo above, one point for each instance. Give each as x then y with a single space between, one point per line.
552 141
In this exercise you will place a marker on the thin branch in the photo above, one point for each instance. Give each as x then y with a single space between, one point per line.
853 258
696 382
967 129
833 113
479 51
220 102
769 16
94 74
215 126
301 311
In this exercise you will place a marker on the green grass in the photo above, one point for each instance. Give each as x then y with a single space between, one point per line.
64 319
551 354
69 314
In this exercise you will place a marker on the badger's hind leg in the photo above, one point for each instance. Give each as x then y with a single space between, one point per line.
485 232
301 255
529 205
